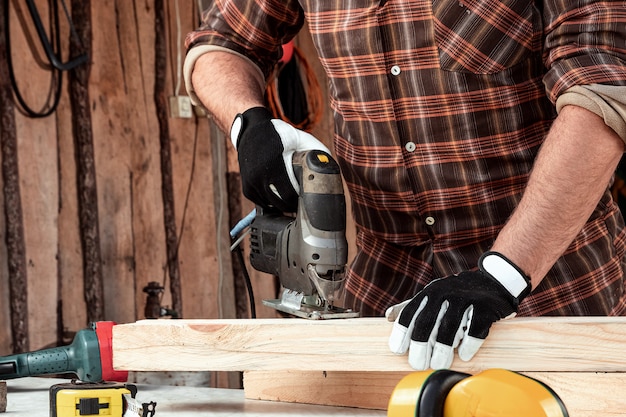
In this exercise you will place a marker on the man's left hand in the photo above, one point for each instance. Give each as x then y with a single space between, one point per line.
457 311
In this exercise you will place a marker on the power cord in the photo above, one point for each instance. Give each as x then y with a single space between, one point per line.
192 171
51 52
236 248
293 93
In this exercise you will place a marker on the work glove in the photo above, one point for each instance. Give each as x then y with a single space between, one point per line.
457 311
265 147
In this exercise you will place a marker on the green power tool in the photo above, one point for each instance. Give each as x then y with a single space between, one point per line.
89 357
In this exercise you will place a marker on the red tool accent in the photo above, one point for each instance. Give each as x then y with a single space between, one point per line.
104 332
287 52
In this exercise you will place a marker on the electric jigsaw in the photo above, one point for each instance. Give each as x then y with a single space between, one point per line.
308 251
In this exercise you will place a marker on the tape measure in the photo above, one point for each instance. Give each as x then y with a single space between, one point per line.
97 399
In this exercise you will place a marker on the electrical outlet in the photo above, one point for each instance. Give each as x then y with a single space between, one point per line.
180 107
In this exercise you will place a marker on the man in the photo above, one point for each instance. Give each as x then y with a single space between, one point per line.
441 109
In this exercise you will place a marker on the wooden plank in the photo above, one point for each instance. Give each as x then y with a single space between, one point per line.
38 176
5 303
3 396
128 176
370 390
576 344
39 187
111 125
140 130
585 394
15 333
69 263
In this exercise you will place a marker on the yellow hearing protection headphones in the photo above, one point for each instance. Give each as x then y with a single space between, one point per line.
491 393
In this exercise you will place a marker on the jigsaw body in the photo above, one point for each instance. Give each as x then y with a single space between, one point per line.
308 252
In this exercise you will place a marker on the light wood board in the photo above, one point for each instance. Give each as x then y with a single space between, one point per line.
585 394
347 362
565 344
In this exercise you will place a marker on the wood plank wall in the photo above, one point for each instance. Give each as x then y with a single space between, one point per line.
125 132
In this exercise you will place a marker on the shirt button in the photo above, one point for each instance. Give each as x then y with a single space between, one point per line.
395 70
410 147
430 220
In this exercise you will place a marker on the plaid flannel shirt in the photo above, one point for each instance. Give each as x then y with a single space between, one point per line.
440 108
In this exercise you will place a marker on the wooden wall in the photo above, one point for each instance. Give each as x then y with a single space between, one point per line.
129 179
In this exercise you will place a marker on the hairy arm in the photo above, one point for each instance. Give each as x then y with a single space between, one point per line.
572 171
227 84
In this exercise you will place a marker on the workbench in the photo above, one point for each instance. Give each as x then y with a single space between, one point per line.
29 397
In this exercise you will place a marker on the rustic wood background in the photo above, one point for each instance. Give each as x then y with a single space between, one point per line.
69 272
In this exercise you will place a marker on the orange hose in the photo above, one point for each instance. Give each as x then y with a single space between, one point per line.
311 87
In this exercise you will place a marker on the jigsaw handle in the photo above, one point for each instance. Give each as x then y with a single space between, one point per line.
321 191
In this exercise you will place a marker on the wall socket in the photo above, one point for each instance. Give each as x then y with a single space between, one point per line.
180 107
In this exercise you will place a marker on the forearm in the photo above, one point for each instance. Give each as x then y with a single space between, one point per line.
227 84
571 173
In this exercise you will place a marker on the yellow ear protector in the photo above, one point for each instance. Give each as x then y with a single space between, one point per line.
491 393
422 394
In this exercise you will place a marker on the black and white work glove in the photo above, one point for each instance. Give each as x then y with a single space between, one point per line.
265 147
457 311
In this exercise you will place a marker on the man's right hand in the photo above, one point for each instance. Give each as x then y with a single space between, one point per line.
265 148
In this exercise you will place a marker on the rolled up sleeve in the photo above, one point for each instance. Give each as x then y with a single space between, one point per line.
585 43
256 29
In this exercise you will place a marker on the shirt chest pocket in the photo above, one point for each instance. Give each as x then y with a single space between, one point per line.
485 36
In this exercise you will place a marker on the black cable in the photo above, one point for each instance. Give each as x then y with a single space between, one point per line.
247 280
57 79
192 171
52 51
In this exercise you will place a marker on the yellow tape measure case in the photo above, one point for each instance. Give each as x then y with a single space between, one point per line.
86 399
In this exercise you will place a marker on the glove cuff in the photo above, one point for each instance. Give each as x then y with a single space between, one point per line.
250 117
509 275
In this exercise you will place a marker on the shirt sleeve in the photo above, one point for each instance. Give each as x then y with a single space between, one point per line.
256 29
607 101
585 43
